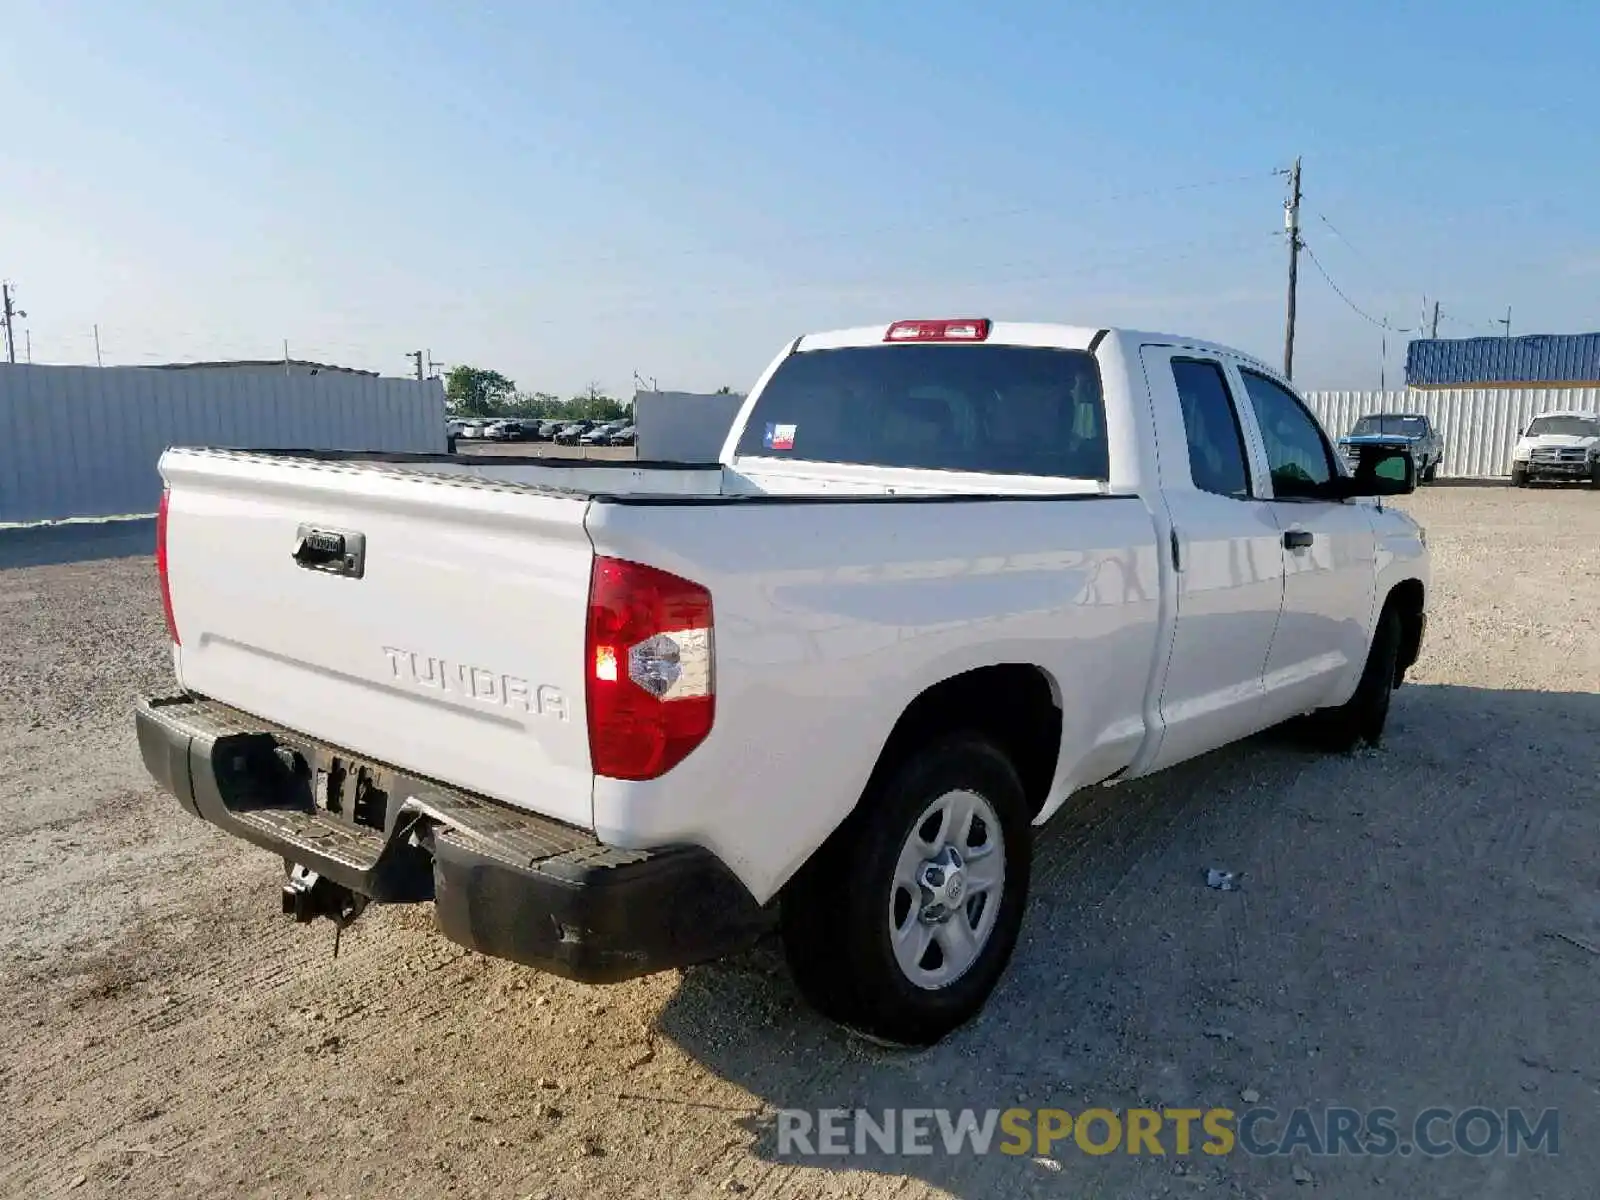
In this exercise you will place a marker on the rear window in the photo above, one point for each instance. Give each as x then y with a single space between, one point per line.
1011 410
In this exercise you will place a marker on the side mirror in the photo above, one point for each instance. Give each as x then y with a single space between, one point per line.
1380 471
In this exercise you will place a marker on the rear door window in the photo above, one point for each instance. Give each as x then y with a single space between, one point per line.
1217 459
1009 410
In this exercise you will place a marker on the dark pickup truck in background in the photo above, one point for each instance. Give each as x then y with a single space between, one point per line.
1401 431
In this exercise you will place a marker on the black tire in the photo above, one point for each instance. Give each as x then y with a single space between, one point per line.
1431 473
1519 477
836 912
1362 718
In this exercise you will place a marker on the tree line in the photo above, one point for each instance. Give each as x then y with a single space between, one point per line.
479 392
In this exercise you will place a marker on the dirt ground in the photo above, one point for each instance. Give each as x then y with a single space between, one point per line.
1417 926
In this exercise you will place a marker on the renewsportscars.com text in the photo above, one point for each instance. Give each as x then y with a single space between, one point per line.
1257 1131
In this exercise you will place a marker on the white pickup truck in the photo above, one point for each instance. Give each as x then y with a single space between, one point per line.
616 717
1560 446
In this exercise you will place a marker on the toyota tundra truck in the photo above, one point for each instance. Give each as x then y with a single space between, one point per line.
612 718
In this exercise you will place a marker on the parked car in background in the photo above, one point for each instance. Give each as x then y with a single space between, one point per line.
549 429
946 575
1407 431
626 436
510 429
568 435
601 435
472 428
1562 446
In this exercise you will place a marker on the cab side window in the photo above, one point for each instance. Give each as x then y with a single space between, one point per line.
1297 452
1217 460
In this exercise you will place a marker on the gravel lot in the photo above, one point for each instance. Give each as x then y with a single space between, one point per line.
1418 925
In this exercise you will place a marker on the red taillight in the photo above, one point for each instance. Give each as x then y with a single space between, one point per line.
651 695
161 567
950 330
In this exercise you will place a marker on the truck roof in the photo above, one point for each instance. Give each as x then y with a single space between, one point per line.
1031 333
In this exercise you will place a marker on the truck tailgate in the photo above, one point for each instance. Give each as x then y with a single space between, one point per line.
419 620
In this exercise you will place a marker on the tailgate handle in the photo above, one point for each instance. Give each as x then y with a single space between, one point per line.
334 551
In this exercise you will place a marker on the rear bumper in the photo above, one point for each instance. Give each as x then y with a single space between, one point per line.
504 882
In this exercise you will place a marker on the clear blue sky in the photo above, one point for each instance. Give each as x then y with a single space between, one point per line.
571 192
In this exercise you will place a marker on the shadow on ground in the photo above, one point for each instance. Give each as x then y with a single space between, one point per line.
54 545
1416 926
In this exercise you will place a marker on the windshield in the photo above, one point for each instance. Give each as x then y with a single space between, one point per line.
1380 423
1568 426
1010 410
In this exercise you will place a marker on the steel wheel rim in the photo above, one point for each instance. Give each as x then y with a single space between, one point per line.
945 898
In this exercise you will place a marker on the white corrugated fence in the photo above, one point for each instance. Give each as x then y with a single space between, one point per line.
1479 424
83 441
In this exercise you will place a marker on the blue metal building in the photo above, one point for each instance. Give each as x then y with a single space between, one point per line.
1533 360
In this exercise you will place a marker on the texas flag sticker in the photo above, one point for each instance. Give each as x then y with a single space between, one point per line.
780 437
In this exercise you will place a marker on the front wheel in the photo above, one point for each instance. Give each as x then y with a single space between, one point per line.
1362 718
1519 476
901 924
1432 473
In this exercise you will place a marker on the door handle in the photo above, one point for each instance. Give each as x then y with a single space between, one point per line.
1297 539
335 551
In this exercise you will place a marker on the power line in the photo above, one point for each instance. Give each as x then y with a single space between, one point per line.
1354 307
1479 325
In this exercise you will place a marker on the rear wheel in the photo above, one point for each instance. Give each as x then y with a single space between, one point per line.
902 923
1362 718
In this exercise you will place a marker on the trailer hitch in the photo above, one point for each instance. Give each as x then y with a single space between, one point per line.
307 896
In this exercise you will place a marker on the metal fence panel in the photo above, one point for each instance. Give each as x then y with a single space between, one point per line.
1479 424
83 441
683 426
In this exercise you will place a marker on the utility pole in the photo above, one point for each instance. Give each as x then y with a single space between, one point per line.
97 361
1507 321
1291 222
11 313
417 356
27 335
1433 325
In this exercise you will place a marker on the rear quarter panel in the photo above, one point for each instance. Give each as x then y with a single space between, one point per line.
832 617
